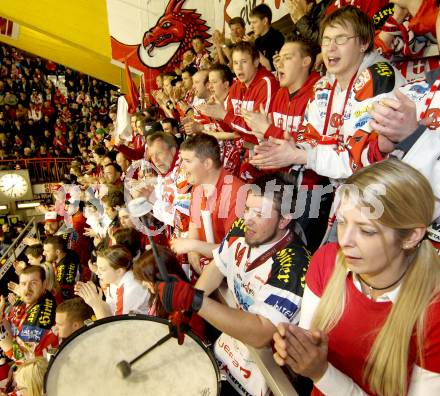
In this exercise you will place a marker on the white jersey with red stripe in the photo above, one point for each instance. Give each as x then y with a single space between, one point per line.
336 131
173 197
424 155
127 296
272 289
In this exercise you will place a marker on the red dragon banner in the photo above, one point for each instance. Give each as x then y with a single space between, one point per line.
152 35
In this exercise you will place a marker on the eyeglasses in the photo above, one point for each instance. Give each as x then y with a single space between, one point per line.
339 40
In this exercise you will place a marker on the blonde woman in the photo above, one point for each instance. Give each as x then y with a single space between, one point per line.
370 320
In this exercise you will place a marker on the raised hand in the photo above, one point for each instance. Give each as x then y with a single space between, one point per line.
257 121
182 245
395 118
14 288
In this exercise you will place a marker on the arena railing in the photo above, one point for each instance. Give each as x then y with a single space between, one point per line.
41 170
277 380
17 247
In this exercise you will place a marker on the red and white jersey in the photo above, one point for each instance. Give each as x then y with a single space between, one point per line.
287 112
127 296
336 131
424 155
201 58
31 328
266 280
261 90
406 43
230 150
173 197
352 337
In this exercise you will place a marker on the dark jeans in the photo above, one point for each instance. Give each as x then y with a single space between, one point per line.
228 390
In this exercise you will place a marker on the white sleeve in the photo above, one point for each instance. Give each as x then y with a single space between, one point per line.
326 161
222 256
336 383
424 155
309 304
424 382
110 298
136 297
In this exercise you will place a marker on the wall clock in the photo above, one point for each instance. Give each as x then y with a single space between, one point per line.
15 185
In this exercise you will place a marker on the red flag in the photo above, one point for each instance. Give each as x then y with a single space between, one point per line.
132 96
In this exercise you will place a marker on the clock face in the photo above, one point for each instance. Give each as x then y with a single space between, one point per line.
13 185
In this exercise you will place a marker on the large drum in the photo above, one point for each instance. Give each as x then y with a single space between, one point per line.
85 364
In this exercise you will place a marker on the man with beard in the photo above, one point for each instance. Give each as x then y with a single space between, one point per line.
66 264
264 264
30 319
53 226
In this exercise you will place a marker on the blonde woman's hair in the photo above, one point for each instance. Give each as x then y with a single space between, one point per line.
408 203
30 376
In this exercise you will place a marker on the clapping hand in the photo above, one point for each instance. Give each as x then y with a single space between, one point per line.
277 153
393 119
89 293
257 121
216 111
14 288
305 352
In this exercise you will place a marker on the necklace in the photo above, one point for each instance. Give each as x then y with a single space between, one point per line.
371 288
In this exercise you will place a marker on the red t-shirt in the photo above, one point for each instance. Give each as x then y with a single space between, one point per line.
351 339
223 205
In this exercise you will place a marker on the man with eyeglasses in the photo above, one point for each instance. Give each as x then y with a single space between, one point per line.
336 139
286 115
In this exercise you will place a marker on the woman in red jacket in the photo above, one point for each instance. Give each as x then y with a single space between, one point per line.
370 319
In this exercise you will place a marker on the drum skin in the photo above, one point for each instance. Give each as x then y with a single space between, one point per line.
85 364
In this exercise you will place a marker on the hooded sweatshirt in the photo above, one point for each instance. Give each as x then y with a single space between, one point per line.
287 111
261 90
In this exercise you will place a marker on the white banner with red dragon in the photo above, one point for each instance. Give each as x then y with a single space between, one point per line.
152 35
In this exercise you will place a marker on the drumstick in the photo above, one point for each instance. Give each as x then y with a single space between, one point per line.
140 207
124 367
162 269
